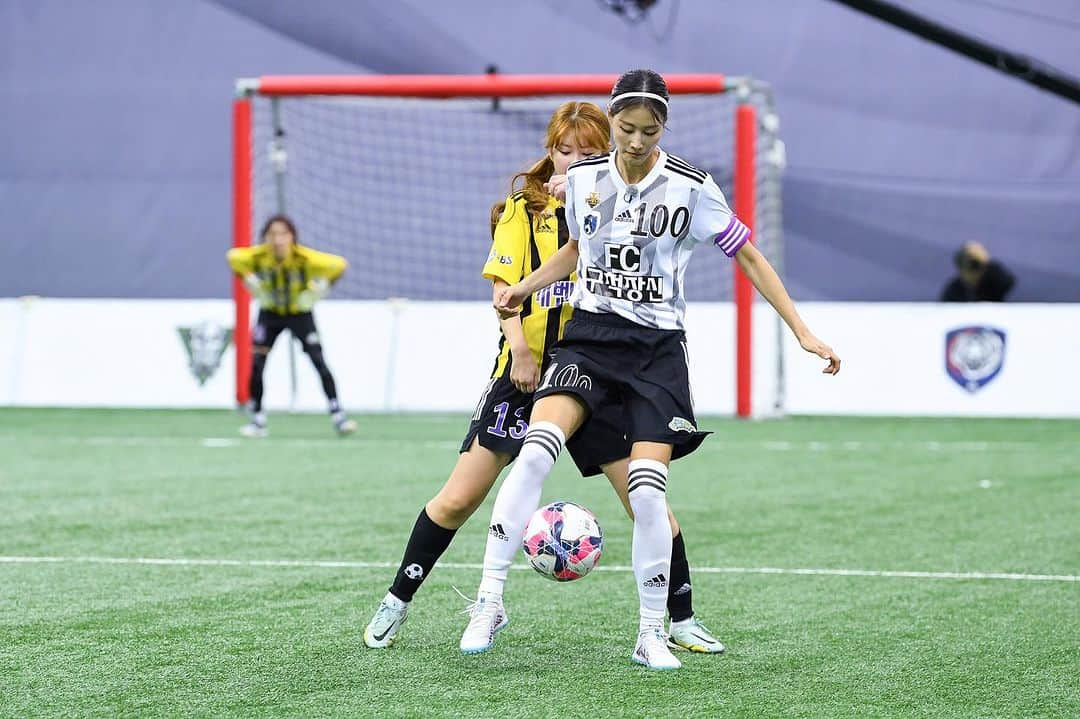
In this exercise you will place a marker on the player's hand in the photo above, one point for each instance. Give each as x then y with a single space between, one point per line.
508 300
255 287
812 344
525 372
556 187
316 288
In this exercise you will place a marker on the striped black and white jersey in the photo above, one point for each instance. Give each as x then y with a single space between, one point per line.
635 240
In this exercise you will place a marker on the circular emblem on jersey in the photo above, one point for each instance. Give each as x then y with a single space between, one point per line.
592 221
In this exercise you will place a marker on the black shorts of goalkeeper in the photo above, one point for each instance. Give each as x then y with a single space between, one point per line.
271 324
615 365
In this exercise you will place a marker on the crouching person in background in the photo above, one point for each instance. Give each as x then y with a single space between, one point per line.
287 279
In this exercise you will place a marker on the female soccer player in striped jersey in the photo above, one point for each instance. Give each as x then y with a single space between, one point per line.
287 279
528 228
635 214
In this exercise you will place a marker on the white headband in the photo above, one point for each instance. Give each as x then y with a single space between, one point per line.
650 95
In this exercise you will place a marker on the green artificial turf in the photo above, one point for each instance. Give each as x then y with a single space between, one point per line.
264 559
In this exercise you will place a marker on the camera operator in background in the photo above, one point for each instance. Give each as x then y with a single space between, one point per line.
979 278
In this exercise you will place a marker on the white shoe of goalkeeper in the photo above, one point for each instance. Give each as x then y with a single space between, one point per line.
690 634
343 424
384 626
486 618
254 430
652 650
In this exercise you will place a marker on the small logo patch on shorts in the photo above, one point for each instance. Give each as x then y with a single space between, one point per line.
679 424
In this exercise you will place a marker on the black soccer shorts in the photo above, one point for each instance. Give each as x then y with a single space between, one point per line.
271 324
501 420
617 366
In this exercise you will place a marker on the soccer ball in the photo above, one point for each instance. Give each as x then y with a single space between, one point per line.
563 541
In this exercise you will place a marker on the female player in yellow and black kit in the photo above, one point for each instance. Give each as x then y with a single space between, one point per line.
287 278
528 228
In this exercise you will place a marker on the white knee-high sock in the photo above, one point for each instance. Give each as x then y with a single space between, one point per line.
518 498
651 552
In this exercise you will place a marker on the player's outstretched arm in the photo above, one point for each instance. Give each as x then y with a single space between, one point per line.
768 283
561 264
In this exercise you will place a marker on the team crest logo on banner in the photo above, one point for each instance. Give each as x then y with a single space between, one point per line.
205 343
592 199
974 355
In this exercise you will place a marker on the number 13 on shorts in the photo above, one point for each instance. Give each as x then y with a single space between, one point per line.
502 413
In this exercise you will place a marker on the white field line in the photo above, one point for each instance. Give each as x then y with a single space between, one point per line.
342 564
227 442
332 442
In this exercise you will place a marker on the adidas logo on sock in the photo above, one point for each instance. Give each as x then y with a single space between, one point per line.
496 530
624 216
658 581
684 589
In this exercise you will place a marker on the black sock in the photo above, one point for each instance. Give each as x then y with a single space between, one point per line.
426 544
679 601
255 386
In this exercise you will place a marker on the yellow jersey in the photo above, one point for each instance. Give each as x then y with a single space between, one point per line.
282 281
523 241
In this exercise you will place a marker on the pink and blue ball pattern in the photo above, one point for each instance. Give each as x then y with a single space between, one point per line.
563 541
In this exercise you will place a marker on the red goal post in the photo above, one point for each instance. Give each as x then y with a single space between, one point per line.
493 86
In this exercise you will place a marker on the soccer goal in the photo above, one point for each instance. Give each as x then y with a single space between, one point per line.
398 173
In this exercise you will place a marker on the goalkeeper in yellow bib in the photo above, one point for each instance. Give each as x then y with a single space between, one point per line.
287 279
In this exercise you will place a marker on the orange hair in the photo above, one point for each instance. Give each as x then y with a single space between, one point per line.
583 120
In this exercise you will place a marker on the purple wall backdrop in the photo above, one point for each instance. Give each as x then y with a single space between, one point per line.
114 155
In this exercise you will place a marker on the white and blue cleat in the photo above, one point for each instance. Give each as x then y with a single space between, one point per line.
486 618
383 627
652 650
